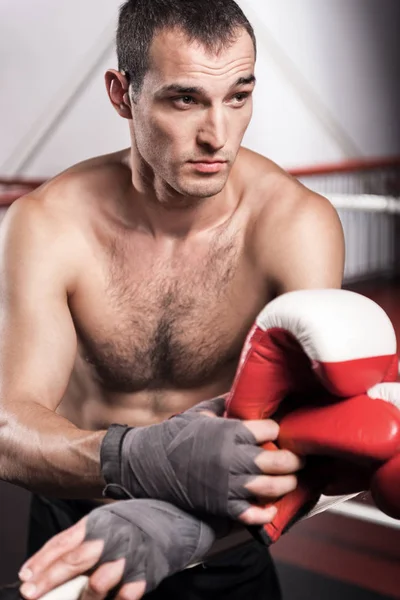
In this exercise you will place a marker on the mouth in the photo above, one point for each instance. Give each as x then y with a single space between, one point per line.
208 166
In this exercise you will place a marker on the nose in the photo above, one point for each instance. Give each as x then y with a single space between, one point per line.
213 132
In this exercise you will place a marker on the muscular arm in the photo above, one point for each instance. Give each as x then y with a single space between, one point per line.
300 240
39 449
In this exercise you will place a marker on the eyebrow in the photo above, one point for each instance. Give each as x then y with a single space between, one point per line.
180 89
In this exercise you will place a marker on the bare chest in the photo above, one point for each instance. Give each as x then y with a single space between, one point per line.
161 325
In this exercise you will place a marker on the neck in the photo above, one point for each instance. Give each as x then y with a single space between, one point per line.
163 211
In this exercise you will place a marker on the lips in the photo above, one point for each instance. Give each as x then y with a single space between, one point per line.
208 161
208 166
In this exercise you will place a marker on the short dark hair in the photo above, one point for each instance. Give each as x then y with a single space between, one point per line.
214 23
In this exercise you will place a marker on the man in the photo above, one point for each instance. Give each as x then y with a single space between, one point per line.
130 281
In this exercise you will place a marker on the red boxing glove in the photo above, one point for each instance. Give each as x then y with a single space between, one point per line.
385 485
362 433
350 440
360 429
312 341
308 343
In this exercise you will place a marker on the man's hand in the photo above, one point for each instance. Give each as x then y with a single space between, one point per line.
112 544
67 556
132 545
201 464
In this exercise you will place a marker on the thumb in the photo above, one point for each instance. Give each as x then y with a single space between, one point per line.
216 406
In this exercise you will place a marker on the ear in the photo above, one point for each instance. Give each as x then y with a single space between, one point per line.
118 91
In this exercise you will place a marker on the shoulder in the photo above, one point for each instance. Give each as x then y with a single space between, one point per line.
60 205
83 183
36 244
50 234
47 228
255 170
278 200
295 230
289 203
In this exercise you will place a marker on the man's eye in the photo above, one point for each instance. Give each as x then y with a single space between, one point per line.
241 97
187 100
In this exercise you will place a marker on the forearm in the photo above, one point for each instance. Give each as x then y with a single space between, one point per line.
47 454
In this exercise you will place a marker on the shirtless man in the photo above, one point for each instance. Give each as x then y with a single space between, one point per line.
130 281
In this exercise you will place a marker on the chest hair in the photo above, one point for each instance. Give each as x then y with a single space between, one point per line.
167 324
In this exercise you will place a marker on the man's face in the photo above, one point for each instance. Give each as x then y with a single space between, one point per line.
194 108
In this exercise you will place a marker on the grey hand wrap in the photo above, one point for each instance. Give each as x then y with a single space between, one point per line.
155 539
195 462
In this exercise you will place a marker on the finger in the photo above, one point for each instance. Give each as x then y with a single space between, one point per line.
67 567
273 486
266 430
279 462
53 549
256 515
71 589
214 407
105 578
132 591
207 413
